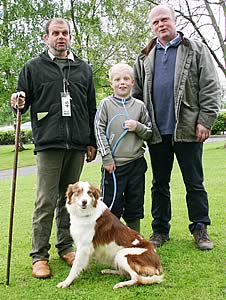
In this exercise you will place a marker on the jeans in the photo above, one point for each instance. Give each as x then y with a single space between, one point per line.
130 180
189 157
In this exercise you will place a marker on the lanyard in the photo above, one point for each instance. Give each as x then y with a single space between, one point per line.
65 85
66 80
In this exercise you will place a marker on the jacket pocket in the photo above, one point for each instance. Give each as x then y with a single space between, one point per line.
187 120
49 129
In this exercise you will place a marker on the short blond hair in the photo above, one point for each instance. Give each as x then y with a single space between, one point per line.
117 68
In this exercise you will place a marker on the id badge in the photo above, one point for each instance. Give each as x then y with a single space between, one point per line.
66 104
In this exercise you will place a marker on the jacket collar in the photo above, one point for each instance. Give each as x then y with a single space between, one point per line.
153 43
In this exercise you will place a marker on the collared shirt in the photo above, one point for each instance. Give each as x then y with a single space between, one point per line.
70 55
174 43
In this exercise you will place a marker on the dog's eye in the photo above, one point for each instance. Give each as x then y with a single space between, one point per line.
90 193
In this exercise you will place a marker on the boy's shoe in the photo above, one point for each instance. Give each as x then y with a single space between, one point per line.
158 239
201 237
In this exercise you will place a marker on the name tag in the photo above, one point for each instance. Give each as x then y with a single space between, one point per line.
66 104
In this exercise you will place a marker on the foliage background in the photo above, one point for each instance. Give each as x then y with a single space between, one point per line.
104 32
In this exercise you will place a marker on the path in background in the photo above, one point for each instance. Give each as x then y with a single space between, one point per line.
29 170
24 171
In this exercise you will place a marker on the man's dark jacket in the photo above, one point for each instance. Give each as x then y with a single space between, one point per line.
42 81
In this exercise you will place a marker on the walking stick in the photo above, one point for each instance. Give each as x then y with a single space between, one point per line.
17 139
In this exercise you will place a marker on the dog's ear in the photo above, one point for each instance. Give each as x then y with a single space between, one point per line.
69 192
95 191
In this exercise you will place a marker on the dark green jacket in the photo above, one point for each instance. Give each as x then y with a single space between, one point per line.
42 81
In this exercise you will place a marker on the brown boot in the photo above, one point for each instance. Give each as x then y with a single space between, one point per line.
201 237
41 270
158 239
69 258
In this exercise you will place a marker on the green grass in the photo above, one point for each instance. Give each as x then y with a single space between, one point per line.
189 273
25 158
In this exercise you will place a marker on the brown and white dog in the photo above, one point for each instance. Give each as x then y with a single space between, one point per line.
96 231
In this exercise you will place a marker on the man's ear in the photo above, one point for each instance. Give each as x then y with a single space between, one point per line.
45 38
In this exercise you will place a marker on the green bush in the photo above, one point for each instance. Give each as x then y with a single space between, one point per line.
220 124
8 137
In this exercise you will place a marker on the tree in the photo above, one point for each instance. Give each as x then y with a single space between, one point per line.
109 31
104 32
20 39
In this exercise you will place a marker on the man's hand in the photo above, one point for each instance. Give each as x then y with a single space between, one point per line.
130 125
202 133
18 100
91 153
110 168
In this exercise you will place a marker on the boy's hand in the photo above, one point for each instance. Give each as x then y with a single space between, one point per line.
18 100
130 125
110 168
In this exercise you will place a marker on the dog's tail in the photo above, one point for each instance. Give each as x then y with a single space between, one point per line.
150 279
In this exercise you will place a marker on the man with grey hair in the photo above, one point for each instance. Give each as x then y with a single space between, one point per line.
177 80
58 87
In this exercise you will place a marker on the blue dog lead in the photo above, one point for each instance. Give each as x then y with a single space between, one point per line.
125 130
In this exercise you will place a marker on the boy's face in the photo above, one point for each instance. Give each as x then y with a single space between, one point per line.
122 84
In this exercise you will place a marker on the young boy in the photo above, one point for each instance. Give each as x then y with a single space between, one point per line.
122 124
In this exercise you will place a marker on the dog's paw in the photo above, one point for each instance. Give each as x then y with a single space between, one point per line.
110 272
106 271
118 286
63 284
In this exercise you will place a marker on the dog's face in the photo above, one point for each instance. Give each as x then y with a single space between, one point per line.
82 196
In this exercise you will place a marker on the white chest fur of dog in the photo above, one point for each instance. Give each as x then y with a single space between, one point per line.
96 231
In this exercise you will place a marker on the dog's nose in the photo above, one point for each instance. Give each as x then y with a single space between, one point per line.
84 202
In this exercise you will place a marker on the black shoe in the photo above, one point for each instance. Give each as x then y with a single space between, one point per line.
158 239
201 237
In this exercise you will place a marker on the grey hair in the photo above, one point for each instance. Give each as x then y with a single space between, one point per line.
164 6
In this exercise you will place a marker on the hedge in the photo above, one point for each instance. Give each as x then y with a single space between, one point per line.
8 137
220 124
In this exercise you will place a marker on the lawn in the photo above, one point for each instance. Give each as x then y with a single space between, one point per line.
25 158
189 273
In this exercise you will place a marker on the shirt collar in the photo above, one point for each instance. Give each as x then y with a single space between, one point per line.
173 43
125 100
70 55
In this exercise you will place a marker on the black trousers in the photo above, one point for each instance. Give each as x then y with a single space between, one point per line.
130 180
189 157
